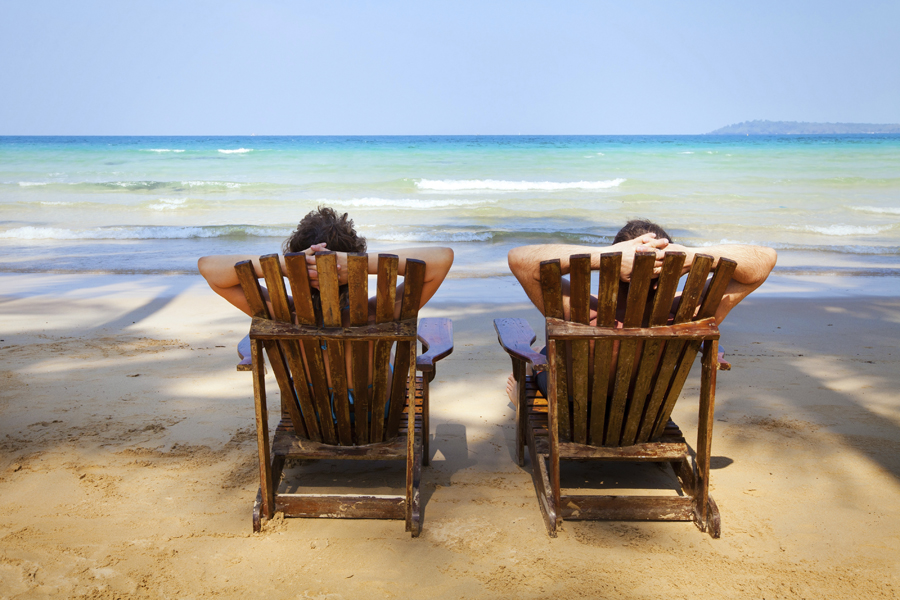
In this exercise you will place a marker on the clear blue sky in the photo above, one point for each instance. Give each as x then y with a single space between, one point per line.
390 67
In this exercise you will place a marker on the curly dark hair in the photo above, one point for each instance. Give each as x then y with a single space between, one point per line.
638 227
325 225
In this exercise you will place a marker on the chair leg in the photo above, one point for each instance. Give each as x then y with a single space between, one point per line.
257 509
521 410
549 510
414 526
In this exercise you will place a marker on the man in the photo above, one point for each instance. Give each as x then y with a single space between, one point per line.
754 263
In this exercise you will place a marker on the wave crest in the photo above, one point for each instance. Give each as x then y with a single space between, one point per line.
457 185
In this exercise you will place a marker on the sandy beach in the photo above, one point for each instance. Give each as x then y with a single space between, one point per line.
128 461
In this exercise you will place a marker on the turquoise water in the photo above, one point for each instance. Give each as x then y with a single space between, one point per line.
829 204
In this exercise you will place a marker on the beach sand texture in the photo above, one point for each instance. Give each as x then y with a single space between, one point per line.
128 464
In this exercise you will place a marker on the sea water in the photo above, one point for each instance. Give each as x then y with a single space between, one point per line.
829 204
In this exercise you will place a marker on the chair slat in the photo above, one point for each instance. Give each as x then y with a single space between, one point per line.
271 267
607 296
258 307
638 289
298 276
384 311
358 284
667 286
716 289
674 355
329 294
551 286
580 311
413 282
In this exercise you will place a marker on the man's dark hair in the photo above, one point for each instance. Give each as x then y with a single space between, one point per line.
638 227
325 225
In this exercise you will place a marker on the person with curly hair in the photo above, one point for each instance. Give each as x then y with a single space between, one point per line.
324 229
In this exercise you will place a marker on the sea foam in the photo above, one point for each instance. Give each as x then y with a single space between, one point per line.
456 185
142 233
407 203
237 151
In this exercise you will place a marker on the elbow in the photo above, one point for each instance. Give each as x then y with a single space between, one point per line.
202 265
770 257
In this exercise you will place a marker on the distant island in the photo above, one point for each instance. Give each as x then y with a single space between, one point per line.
793 127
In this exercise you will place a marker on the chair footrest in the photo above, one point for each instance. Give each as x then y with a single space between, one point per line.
627 508
341 507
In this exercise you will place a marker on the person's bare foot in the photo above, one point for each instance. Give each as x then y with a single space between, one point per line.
511 389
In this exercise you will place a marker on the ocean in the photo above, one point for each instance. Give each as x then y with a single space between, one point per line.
830 204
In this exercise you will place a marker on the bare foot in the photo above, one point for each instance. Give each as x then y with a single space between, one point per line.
511 389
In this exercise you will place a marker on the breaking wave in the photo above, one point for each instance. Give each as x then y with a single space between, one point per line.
457 185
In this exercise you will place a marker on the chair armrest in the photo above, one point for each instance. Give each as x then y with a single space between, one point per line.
436 335
516 337
244 352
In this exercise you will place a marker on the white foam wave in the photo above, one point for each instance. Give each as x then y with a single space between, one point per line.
32 183
56 203
890 210
455 185
161 150
840 229
168 204
237 151
228 184
437 236
685 153
408 203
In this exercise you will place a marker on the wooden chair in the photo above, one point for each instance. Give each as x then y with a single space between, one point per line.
325 414
621 382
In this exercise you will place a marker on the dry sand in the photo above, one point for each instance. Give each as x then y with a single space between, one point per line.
128 463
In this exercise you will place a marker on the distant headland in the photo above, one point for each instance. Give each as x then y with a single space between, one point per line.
794 127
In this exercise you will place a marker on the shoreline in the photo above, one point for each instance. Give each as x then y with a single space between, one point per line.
128 459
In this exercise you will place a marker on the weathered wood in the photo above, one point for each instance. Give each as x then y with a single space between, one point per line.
342 507
409 409
516 337
413 282
394 330
627 508
667 285
358 290
580 312
329 293
607 297
694 330
641 272
302 413
551 286
384 312
716 289
665 357
436 335
258 308
262 432
298 275
652 452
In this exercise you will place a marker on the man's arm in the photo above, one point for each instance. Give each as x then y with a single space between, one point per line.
754 263
525 262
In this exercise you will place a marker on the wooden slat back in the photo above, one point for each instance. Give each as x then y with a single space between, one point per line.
386 293
413 282
305 314
580 312
320 412
551 288
649 373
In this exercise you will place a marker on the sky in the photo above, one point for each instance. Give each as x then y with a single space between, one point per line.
454 68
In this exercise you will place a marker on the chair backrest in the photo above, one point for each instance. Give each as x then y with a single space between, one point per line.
625 393
325 392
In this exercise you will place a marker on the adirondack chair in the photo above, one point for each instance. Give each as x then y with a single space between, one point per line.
611 388
325 414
